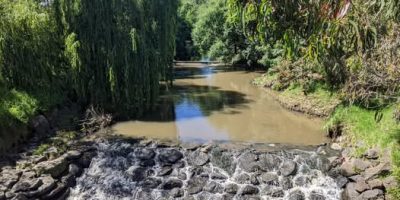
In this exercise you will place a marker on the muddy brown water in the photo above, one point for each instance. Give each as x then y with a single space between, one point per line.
211 103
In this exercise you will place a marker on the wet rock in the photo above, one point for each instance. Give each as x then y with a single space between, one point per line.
170 156
341 181
288 168
190 146
137 173
176 192
218 176
145 154
269 178
74 170
372 154
250 190
40 126
213 187
8 178
286 183
54 167
347 169
147 163
151 183
248 162
85 160
374 172
69 180
182 176
223 160
196 185
242 178
269 162
171 184
165 171
375 184
207 148
314 195
228 197
371 195
2 195
350 192
361 186
48 184
198 158
231 188
301 181
178 165
296 195
254 180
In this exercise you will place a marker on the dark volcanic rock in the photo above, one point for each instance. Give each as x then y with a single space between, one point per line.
250 190
165 171
145 154
248 162
137 173
213 187
151 183
286 183
288 168
176 192
296 195
231 188
198 158
316 196
223 160
269 162
196 185
269 178
170 156
171 184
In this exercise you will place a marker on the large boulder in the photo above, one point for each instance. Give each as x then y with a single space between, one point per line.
8 178
40 126
53 167
288 168
170 156
198 158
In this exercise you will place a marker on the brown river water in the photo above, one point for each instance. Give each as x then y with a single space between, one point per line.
209 103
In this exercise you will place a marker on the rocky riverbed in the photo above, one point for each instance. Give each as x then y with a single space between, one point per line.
146 169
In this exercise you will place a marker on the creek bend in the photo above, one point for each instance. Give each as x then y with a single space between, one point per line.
219 104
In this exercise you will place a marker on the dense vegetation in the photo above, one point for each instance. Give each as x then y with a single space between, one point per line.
108 53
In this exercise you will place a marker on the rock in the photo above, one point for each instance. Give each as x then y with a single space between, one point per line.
198 158
145 154
213 187
372 154
374 172
170 156
361 186
248 162
196 185
375 184
165 171
85 160
69 180
242 179
223 160
254 180
171 184
371 195
54 167
74 170
288 168
25 185
269 178
137 173
218 176
8 178
151 183
360 165
190 146
48 184
231 188
147 163
336 146
250 190
206 148
350 192
357 178
268 162
40 126
2 195
296 195
314 195
301 181
286 183
176 192
182 175
341 181
390 183
73 155
20 197
347 169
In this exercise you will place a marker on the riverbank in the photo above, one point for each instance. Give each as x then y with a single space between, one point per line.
355 131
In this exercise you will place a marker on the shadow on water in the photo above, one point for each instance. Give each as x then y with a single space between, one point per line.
193 101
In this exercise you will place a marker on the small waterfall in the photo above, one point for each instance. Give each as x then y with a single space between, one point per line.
123 170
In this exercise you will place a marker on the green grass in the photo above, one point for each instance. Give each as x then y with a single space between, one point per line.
320 95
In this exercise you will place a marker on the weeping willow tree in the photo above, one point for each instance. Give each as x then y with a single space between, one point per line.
119 50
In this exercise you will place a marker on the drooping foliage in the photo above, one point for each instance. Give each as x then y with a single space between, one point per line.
108 53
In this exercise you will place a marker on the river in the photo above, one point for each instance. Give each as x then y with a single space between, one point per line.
220 104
